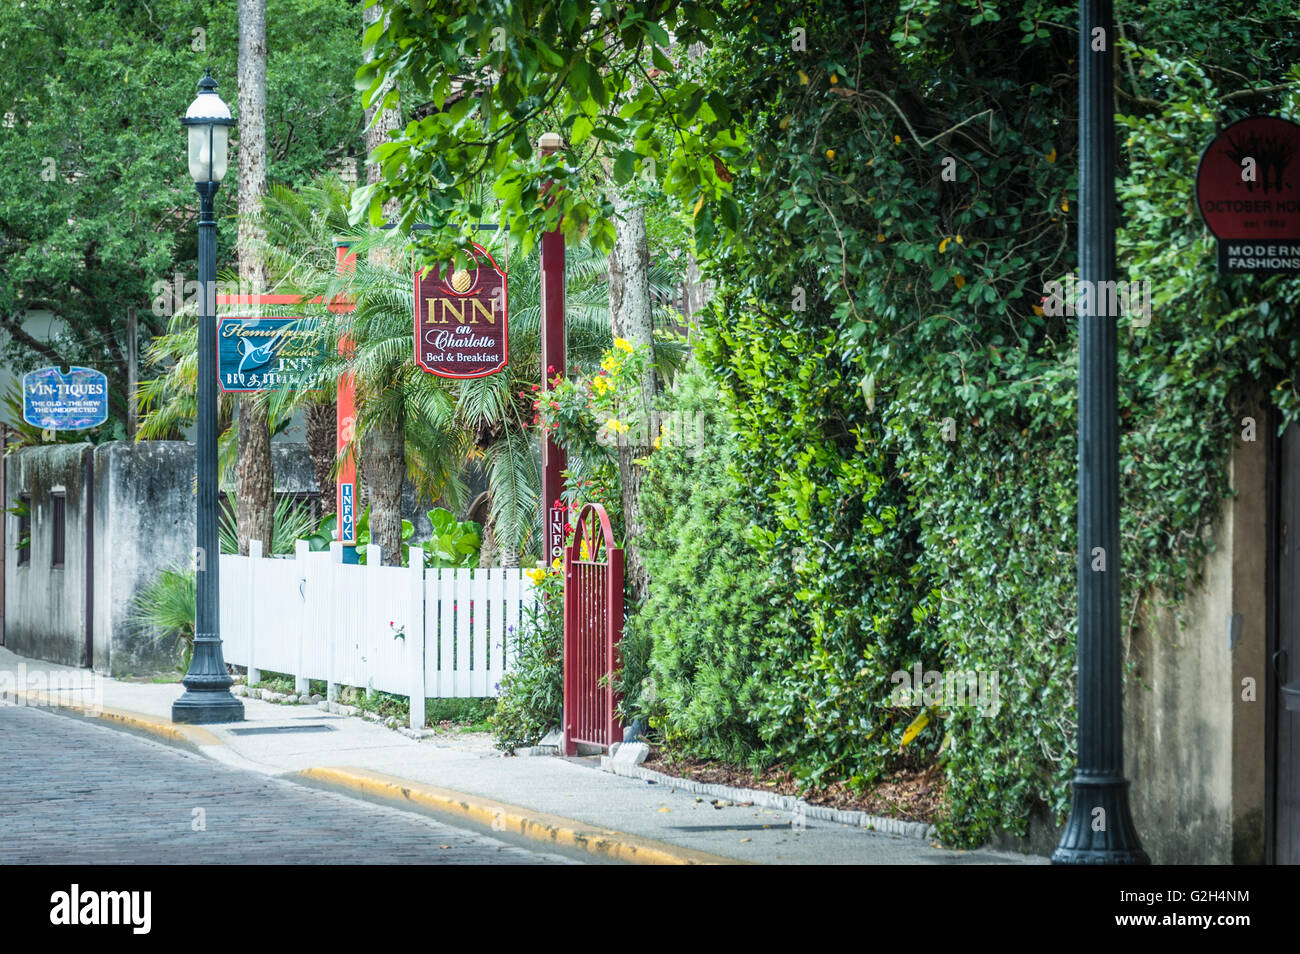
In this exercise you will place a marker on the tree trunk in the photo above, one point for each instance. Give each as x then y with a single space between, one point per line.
631 315
255 487
321 434
384 448
385 466
487 551
377 129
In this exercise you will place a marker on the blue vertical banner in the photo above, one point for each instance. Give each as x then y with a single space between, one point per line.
347 516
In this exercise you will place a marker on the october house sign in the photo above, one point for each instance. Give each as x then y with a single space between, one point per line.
460 320
1248 192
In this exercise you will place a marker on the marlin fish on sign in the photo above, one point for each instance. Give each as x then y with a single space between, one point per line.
256 355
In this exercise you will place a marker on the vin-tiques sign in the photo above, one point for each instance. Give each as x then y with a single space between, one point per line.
460 320
56 401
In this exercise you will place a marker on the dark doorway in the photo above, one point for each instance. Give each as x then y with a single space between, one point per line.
1284 657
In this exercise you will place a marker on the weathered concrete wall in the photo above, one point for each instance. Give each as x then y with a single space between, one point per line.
45 613
145 522
1195 749
294 471
143 498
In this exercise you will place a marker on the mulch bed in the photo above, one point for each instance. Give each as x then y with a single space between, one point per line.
909 795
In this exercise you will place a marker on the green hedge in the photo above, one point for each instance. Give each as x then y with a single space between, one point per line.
866 300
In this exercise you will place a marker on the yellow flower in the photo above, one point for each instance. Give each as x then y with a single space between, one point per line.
830 153
659 442
556 564
1065 206
958 281
586 553
898 140
622 344
536 575
614 424
599 385
943 245
609 363
1051 156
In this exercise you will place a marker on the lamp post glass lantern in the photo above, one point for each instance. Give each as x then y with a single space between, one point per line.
207 697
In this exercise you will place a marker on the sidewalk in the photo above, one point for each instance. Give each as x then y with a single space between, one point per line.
462 778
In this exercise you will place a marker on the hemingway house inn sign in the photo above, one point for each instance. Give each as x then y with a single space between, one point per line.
460 319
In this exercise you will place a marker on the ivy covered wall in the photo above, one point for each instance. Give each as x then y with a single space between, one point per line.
903 432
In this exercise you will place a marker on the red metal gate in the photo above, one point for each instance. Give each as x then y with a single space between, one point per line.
593 626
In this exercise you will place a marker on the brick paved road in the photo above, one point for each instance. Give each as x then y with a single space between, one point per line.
73 792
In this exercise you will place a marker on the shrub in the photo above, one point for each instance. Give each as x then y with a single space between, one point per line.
531 699
167 604
694 654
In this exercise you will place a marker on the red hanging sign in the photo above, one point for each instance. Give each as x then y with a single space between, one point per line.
460 320
1248 192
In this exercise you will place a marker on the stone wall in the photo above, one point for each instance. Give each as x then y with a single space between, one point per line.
143 502
45 612
1194 743
144 518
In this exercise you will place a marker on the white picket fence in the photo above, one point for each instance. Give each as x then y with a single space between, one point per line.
412 631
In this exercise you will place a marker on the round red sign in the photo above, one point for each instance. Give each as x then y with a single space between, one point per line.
1248 192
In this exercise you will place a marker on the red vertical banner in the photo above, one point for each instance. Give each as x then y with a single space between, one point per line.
553 365
346 414
554 362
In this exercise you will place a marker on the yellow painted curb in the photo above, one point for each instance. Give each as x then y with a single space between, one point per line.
182 734
501 816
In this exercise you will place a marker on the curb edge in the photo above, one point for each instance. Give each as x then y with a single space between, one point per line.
537 826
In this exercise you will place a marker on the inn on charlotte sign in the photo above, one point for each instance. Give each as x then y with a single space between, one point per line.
460 320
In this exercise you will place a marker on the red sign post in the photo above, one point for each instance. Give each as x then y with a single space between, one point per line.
1248 192
553 364
460 320
345 487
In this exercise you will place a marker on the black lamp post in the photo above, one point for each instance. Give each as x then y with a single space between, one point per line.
1100 828
207 697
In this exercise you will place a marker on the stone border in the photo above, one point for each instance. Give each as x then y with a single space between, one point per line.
786 803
